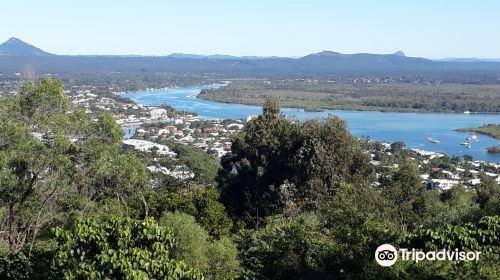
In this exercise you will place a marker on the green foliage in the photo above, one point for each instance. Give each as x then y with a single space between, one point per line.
336 243
356 219
203 165
35 266
198 201
314 157
108 131
55 164
39 101
217 259
413 207
119 249
287 249
481 236
32 175
405 191
14 267
488 195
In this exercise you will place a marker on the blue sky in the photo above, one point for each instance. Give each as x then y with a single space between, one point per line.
425 28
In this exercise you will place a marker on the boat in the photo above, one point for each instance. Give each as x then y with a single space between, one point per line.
465 143
473 137
432 140
467 112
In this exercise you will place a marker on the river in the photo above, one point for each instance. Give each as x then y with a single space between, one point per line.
411 128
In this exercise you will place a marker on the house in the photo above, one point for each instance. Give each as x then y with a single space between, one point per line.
235 126
212 129
451 175
474 172
441 184
474 182
424 177
148 146
158 113
187 139
163 131
490 174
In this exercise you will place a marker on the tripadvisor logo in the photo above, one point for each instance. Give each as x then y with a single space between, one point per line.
387 255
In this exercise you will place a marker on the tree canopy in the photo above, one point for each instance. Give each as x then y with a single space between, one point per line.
275 159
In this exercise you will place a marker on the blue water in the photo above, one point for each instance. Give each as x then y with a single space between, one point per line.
411 128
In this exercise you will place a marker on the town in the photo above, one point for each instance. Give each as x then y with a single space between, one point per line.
155 129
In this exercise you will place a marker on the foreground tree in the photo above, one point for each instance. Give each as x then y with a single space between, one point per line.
216 258
335 243
34 162
55 164
273 153
119 249
479 236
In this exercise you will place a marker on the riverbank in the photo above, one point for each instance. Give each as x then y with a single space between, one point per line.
409 127
492 130
311 105
362 95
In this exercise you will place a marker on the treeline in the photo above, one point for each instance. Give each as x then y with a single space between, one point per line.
291 201
365 94
313 66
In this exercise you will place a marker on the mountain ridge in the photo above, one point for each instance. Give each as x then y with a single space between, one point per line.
17 47
16 55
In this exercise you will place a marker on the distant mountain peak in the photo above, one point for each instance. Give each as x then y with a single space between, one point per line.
17 47
14 40
399 53
327 53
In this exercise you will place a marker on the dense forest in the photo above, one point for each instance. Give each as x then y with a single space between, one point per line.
371 93
293 200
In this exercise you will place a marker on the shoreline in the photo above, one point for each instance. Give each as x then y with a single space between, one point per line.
259 103
480 130
344 108
199 97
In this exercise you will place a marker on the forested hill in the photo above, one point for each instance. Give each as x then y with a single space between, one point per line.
16 57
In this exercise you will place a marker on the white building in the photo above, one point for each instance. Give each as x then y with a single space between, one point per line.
475 181
158 113
441 184
148 146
